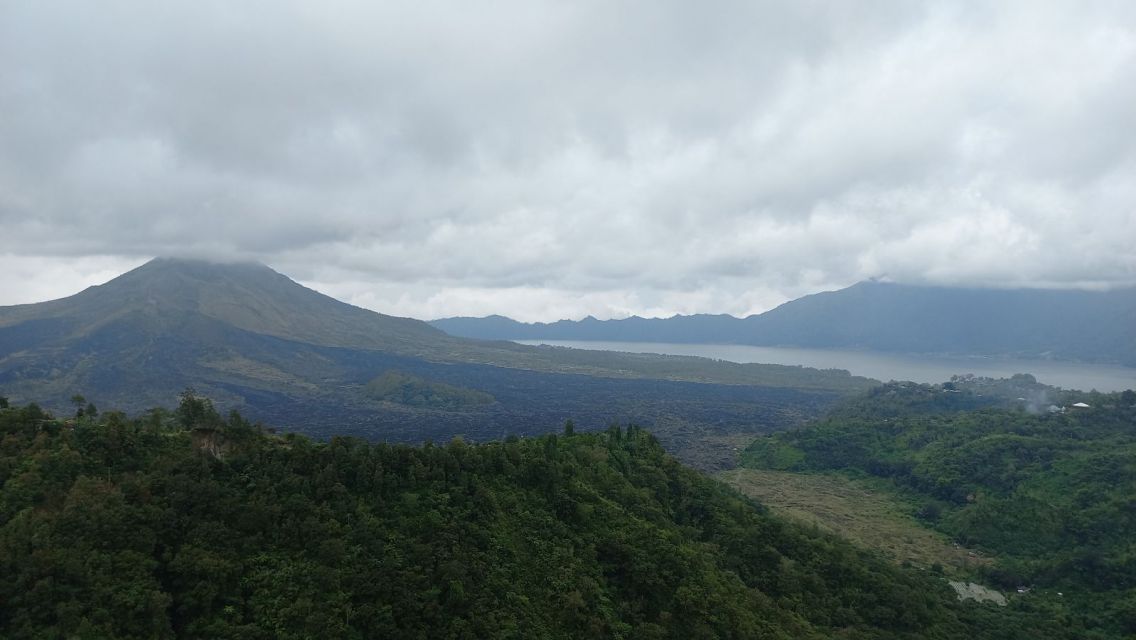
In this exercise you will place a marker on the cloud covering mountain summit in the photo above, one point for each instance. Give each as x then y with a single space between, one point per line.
549 160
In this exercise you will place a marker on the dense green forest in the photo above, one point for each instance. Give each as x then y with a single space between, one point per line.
1048 491
189 525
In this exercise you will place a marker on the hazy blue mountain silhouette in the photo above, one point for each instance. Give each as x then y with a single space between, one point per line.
1033 323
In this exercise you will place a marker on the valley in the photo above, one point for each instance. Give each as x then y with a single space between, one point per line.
860 510
1044 499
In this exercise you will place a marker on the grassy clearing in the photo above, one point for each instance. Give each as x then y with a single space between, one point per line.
854 509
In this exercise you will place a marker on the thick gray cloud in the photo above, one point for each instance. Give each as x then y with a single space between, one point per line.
553 159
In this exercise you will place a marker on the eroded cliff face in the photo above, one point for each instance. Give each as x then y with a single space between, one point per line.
211 442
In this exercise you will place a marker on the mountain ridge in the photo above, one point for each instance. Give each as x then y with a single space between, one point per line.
1033 323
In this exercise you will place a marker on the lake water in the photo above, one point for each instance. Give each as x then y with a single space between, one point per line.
885 366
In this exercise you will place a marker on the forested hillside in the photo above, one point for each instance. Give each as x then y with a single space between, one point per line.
190 525
1050 495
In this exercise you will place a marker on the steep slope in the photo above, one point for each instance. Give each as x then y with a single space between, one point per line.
1069 325
164 293
182 322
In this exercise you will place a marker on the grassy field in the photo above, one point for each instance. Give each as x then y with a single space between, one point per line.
866 515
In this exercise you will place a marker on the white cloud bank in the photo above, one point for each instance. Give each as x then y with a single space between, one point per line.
547 160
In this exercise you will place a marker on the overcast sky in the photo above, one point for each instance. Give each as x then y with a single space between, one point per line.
546 160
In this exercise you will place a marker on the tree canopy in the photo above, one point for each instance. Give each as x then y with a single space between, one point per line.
1049 493
187 524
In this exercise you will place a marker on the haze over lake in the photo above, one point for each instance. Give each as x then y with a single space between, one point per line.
884 366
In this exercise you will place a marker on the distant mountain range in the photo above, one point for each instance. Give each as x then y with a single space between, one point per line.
252 339
1070 325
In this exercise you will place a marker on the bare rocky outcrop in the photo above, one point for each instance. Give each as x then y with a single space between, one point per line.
977 592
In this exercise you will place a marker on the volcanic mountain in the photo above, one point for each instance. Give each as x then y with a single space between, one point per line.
167 294
174 321
249 338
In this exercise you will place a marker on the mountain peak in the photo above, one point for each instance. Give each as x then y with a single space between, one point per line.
186 260
169 292
200 267
187 284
